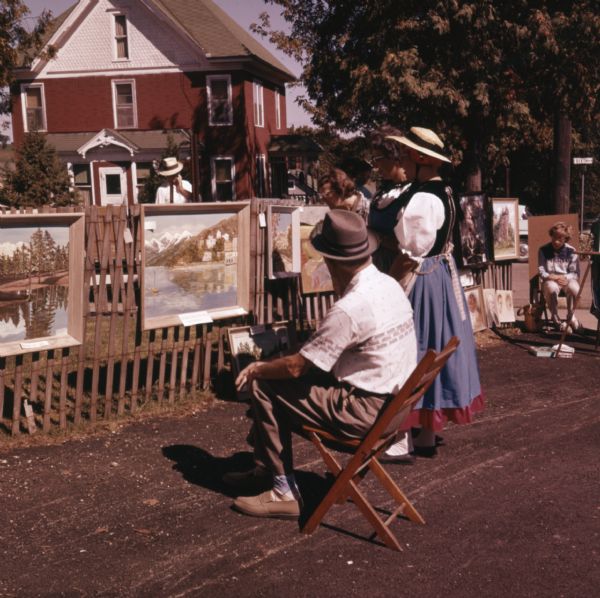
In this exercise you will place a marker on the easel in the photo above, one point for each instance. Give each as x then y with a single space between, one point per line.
588 254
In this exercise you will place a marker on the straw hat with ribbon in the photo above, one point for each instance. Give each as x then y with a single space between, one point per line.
169 167
424 141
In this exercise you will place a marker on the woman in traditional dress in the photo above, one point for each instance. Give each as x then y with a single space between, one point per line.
420 222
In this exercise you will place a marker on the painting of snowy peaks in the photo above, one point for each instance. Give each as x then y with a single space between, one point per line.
283 231
38 272
195 261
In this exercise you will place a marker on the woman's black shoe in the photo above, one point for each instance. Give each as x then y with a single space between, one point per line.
425 451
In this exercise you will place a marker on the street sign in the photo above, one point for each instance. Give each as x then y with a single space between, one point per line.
583 160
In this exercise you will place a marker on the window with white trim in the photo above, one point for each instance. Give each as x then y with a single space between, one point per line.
82 181
220 109
121 38
261 176
124 101
259 104
277 110
223 175
34 107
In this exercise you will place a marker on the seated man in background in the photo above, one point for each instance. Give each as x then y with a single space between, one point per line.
361 354
558 266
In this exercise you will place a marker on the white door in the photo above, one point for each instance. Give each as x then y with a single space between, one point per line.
113 185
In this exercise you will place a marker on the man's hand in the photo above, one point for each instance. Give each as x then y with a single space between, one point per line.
247 375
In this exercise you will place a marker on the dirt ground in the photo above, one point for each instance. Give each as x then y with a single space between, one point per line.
512 504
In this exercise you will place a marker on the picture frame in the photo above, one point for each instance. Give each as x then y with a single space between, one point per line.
283 240
491 307
195 263
505 228
475 307
505 306
315 276
41 282
253 343
474 229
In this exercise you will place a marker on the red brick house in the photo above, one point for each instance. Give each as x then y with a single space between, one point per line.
128 72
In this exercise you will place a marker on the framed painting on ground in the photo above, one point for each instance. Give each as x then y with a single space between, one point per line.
475 229
505 228
474 297
283 238
255 343
491 308
195 263
41 282
504 303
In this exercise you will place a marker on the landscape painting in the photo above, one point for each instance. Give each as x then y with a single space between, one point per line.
39 278
505 227
283 228
315 275
474 229
254 343
195 259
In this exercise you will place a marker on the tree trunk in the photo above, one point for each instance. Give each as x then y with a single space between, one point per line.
473 165
562 163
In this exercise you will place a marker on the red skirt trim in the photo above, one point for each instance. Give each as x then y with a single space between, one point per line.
437 419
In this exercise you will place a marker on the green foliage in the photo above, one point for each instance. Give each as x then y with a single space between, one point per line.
39 177
487 75
16 42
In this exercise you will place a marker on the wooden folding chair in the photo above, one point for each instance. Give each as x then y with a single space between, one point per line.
365 452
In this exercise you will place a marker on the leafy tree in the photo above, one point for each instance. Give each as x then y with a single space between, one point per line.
39 178
16 43
489 76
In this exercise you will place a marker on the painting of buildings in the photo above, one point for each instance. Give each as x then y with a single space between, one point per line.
284 241
191 261
505 228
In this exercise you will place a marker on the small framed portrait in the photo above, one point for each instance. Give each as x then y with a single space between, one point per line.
195 262
256 343
505 228
283 237
504 303
491 309
474 229
41 282
474 297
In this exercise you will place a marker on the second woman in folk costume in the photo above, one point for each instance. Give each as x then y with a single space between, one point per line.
422 230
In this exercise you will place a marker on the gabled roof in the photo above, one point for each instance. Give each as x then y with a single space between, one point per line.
209 27
216 32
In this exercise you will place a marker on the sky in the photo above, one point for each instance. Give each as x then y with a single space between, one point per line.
244 12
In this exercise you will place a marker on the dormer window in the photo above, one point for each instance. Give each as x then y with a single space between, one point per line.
121 41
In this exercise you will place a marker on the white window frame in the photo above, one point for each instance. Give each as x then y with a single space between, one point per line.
261 162
24 88
209 80
258 103
105 198
127 38
114 83
277 110
213 175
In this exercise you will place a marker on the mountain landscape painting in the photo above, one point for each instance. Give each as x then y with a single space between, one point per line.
34 282
190 264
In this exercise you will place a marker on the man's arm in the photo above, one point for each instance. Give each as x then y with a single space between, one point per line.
290 366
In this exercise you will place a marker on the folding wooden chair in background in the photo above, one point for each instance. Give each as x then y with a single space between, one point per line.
365 452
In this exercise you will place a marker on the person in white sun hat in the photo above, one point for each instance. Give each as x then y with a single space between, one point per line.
173 188
420 224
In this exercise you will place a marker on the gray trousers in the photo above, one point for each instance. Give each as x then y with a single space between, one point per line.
281 406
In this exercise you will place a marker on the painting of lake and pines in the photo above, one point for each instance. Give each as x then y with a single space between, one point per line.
34 281
190 264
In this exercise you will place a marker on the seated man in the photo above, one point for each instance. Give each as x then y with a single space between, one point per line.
364 349
559 270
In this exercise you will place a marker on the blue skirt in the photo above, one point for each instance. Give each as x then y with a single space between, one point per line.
456 392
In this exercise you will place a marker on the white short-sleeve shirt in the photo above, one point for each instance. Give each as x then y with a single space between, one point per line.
163 193
367 338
